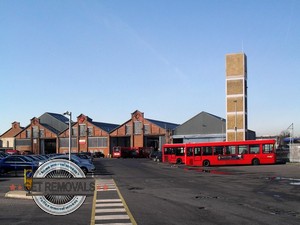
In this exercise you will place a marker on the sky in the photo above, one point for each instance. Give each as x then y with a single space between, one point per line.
165 58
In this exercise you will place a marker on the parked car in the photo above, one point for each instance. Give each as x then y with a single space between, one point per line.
158 157
12 152
85 156
3 155
27 152
37 158
17 163
98 155
85 165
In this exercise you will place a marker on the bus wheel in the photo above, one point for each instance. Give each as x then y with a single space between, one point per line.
178 161
255 162
206 163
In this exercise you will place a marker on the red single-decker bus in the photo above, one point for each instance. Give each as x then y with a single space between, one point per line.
174 153
249 152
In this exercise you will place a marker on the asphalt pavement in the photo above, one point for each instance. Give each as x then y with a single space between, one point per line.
157 193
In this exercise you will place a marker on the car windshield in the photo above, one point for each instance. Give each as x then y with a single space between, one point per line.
24 158
74 158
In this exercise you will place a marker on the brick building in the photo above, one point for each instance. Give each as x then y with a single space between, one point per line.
41 135
87 136
139 131
7 139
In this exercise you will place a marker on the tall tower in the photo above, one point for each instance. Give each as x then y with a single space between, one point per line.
236 97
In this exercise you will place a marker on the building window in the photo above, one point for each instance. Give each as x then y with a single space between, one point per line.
137 127
23 142
74 131
42 133
64 142
128 130
82 130
35 131
28 134
90 131
147 129
94 142
74 142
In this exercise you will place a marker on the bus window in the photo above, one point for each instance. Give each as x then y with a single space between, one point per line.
243 149
268 148
207 151
179 151
254 149
218 150
197 151
168 151
230 150
189 151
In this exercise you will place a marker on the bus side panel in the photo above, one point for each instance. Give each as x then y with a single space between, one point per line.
267 158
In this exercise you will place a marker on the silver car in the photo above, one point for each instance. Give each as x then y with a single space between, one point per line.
85 165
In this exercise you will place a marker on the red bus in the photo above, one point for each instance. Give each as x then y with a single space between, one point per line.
130 152
124 152
174 153
253 152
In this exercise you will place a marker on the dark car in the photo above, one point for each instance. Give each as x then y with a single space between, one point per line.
17 163
156 156
83 156
98 155
3 155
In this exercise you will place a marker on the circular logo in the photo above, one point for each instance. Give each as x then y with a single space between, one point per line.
59 204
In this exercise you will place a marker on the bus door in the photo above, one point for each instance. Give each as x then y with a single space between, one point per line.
189 160
197 156
268 154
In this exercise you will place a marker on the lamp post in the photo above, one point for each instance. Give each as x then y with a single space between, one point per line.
70 133
291 127
223 132
235 123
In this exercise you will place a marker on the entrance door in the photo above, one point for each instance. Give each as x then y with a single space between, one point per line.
50 146
42 146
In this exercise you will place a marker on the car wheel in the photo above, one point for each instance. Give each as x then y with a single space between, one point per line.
84 170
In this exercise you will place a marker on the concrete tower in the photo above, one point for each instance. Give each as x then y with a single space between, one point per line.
236 97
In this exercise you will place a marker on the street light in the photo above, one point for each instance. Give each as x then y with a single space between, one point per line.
291 127
70 119
235 125
223 132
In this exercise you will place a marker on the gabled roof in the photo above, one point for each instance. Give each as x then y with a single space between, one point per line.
108 127
50 128
54 122
57 116
12 131
164 125
202 123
